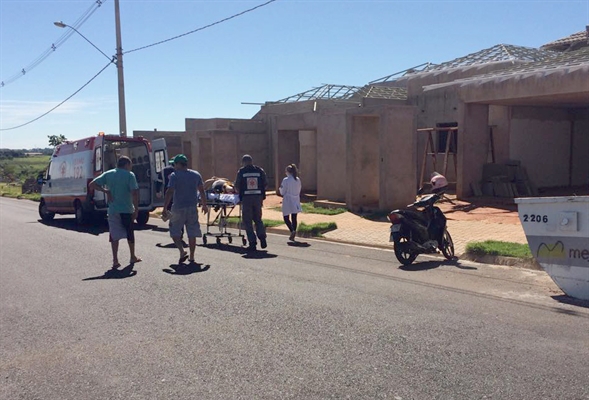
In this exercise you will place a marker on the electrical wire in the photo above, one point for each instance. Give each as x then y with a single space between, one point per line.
69 97
202 28
113 61
78 23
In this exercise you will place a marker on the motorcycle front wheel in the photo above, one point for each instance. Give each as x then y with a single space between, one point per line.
403 254
447 246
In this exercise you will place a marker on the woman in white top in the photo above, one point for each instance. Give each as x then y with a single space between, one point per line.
290 190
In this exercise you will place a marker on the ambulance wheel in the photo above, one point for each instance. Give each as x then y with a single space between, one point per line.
244 241
204 240
142 218
230 239
45 214
80 215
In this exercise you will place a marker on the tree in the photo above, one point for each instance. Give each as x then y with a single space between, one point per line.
55 140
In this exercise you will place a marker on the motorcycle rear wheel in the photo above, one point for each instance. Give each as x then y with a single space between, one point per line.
405 256
447 246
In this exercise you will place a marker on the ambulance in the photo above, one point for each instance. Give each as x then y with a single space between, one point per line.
76 163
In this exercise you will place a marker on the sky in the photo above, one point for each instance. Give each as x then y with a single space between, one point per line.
278 50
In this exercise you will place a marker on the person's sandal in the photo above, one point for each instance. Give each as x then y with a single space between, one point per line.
183 258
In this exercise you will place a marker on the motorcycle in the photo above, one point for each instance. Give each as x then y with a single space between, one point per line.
420 229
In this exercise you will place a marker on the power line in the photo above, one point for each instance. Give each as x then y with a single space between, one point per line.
79 22
137 49
69 97
202 28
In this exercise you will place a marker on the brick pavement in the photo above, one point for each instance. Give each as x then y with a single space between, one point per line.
474 224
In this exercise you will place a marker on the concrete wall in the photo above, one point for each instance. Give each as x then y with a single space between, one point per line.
500 119
435 108
363 146
217 145
308 160
473 139
398 169
256 145
541 139
381 161
332 174
580 148
287 151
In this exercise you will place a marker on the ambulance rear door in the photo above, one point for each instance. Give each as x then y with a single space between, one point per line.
159 161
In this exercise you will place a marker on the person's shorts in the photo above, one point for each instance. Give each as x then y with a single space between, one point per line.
187 217
120 226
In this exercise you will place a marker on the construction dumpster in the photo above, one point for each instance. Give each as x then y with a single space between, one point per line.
557 230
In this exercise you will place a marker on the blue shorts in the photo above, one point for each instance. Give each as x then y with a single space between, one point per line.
185 217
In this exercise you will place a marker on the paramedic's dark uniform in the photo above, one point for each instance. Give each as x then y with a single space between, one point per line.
164 181
251 184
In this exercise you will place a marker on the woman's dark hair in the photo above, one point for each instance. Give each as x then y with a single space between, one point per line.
292 168
123 162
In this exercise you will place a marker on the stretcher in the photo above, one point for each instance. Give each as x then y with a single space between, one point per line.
221 206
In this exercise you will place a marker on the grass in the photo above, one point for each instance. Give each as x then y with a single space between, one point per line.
495 248
316 230
309 208
21 168
15 192
268 223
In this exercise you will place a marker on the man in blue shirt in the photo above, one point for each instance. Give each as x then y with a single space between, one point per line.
183 189
122 192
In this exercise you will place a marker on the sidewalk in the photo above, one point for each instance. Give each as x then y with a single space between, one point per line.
466 223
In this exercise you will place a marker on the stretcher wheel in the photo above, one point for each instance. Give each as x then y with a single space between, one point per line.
244 241
218 241
204 240
230 239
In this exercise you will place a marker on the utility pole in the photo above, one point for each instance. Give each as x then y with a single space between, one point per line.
122 112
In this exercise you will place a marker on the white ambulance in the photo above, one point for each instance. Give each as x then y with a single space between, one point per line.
75 163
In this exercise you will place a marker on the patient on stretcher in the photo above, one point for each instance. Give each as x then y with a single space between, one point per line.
219 185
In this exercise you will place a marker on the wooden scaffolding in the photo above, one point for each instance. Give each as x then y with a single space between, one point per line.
430 150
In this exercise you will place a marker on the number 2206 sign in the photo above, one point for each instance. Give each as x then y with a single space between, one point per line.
535 218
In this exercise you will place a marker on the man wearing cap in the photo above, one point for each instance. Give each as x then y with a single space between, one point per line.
251 185
183 189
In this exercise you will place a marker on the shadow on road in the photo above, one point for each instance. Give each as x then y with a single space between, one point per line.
186 269
427 265
571 301
259 254
171 245
115 273
299 244
96 227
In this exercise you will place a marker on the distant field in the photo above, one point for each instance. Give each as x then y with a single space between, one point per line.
22 168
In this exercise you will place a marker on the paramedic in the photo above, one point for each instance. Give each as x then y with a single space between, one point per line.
251 186
290 190
122 192
183 188
164 179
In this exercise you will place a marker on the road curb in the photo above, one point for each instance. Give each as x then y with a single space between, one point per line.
481 259
501 260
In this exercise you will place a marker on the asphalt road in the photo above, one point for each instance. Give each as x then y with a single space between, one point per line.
316 322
